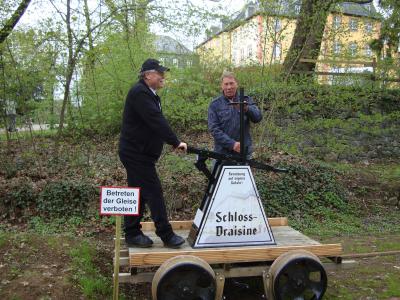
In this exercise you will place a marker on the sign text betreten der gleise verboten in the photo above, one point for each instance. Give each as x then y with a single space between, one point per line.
116 193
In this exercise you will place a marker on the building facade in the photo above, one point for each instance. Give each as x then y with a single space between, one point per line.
259 36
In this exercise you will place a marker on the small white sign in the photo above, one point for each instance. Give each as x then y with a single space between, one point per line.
119 201
235 215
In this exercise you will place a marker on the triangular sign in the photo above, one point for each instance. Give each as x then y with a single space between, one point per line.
235 215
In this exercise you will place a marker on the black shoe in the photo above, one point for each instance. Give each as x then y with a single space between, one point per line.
141 240
175 241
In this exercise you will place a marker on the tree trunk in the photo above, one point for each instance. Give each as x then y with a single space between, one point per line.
308 35
13 20
70 69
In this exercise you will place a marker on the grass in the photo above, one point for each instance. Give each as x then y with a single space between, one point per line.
44 236
86 274
3 238
393 286
387 173
27 135
44 226
368 280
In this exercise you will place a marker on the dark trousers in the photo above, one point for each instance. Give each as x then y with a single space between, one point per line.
144 175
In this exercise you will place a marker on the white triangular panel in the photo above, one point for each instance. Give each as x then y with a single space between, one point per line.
235 215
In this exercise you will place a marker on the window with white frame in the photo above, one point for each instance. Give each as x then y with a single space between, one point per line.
249 51
353 49
336 22
242 54
277 25
276 54
297 8
189 62
337 47
368 27
175 61
353 24
235 57
368 50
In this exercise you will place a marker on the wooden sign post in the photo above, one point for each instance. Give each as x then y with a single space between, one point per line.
118 201
116 258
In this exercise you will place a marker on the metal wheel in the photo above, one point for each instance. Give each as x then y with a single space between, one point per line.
296 275
184 277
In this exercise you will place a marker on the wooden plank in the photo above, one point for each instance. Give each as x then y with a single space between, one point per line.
371 254
176 225
284 236
333 61
333 73
186 225
231 255
344 265
391 80
123 261
124 252
282 221
138 278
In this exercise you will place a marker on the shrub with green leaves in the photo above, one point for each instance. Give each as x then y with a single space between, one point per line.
18 198
66 198
303 191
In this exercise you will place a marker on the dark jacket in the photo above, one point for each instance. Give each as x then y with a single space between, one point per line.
144 127
224 123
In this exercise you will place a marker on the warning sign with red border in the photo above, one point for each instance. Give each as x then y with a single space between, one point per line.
119 200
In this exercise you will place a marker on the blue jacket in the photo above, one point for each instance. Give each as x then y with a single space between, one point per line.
224 123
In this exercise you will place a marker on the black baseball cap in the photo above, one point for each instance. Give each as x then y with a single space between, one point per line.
153 64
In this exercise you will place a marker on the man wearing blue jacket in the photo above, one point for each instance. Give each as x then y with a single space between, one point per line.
143 134
224 118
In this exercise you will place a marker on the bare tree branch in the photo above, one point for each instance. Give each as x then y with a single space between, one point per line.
13 20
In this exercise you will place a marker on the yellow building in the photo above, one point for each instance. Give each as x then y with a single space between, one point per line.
264 38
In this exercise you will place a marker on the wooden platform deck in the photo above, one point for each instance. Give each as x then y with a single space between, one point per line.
286 238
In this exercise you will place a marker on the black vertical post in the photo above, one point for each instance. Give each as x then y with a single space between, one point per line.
241 105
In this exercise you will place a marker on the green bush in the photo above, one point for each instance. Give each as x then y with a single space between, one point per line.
66 198
303 191
19 198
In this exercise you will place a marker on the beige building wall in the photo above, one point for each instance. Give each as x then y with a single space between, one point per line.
266 40
217 48
347 38
244 43
276 34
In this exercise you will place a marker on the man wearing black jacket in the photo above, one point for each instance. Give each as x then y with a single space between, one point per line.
144 131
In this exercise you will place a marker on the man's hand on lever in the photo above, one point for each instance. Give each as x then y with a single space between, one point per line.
236 147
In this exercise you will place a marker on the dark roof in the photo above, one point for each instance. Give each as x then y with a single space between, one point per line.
167 44
364 10
291 8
